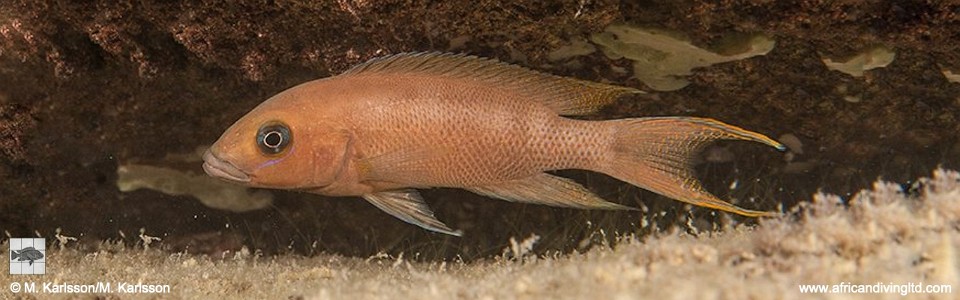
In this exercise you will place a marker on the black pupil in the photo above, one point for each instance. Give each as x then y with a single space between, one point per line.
273 138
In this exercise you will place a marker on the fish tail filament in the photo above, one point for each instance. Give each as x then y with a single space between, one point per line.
657 154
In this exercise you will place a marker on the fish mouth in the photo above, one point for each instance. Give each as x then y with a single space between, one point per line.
216 167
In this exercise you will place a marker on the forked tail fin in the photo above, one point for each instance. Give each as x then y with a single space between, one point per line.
657 154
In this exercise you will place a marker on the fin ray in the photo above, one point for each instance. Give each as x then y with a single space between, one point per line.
566 96
656 154
546 189
407 205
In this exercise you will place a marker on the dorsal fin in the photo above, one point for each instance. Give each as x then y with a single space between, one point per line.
566 96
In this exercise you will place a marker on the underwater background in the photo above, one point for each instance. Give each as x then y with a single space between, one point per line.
104 105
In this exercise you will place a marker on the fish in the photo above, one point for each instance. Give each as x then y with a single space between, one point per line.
395 124
29 253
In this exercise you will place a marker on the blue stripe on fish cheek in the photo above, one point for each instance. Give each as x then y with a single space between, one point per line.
275 161
268 163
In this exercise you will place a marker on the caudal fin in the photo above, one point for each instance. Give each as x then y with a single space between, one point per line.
14 255
657 154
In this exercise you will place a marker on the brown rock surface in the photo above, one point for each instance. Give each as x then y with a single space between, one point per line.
85 86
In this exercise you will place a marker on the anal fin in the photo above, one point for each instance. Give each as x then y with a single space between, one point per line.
546 189
407 205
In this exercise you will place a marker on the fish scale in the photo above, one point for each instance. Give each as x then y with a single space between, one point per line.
421 120
475 143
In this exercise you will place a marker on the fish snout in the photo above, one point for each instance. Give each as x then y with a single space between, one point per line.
216 167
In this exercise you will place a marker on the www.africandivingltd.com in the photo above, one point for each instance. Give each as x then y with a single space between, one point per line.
876 288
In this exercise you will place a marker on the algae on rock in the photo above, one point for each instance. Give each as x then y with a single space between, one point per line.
868 59
577 47
661 58
950 75
212 192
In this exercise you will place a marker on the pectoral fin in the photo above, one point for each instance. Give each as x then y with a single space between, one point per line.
408 165
407 205
548 190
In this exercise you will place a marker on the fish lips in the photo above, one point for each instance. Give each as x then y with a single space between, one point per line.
216 167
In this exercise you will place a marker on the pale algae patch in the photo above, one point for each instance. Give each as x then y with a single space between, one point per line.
577 47
868 59
662 58
951 75
210 191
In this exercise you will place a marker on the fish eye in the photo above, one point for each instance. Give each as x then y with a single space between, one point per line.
273 138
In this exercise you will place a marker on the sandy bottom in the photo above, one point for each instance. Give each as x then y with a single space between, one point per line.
885 235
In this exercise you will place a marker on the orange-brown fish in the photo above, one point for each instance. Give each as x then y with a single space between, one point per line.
399 123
